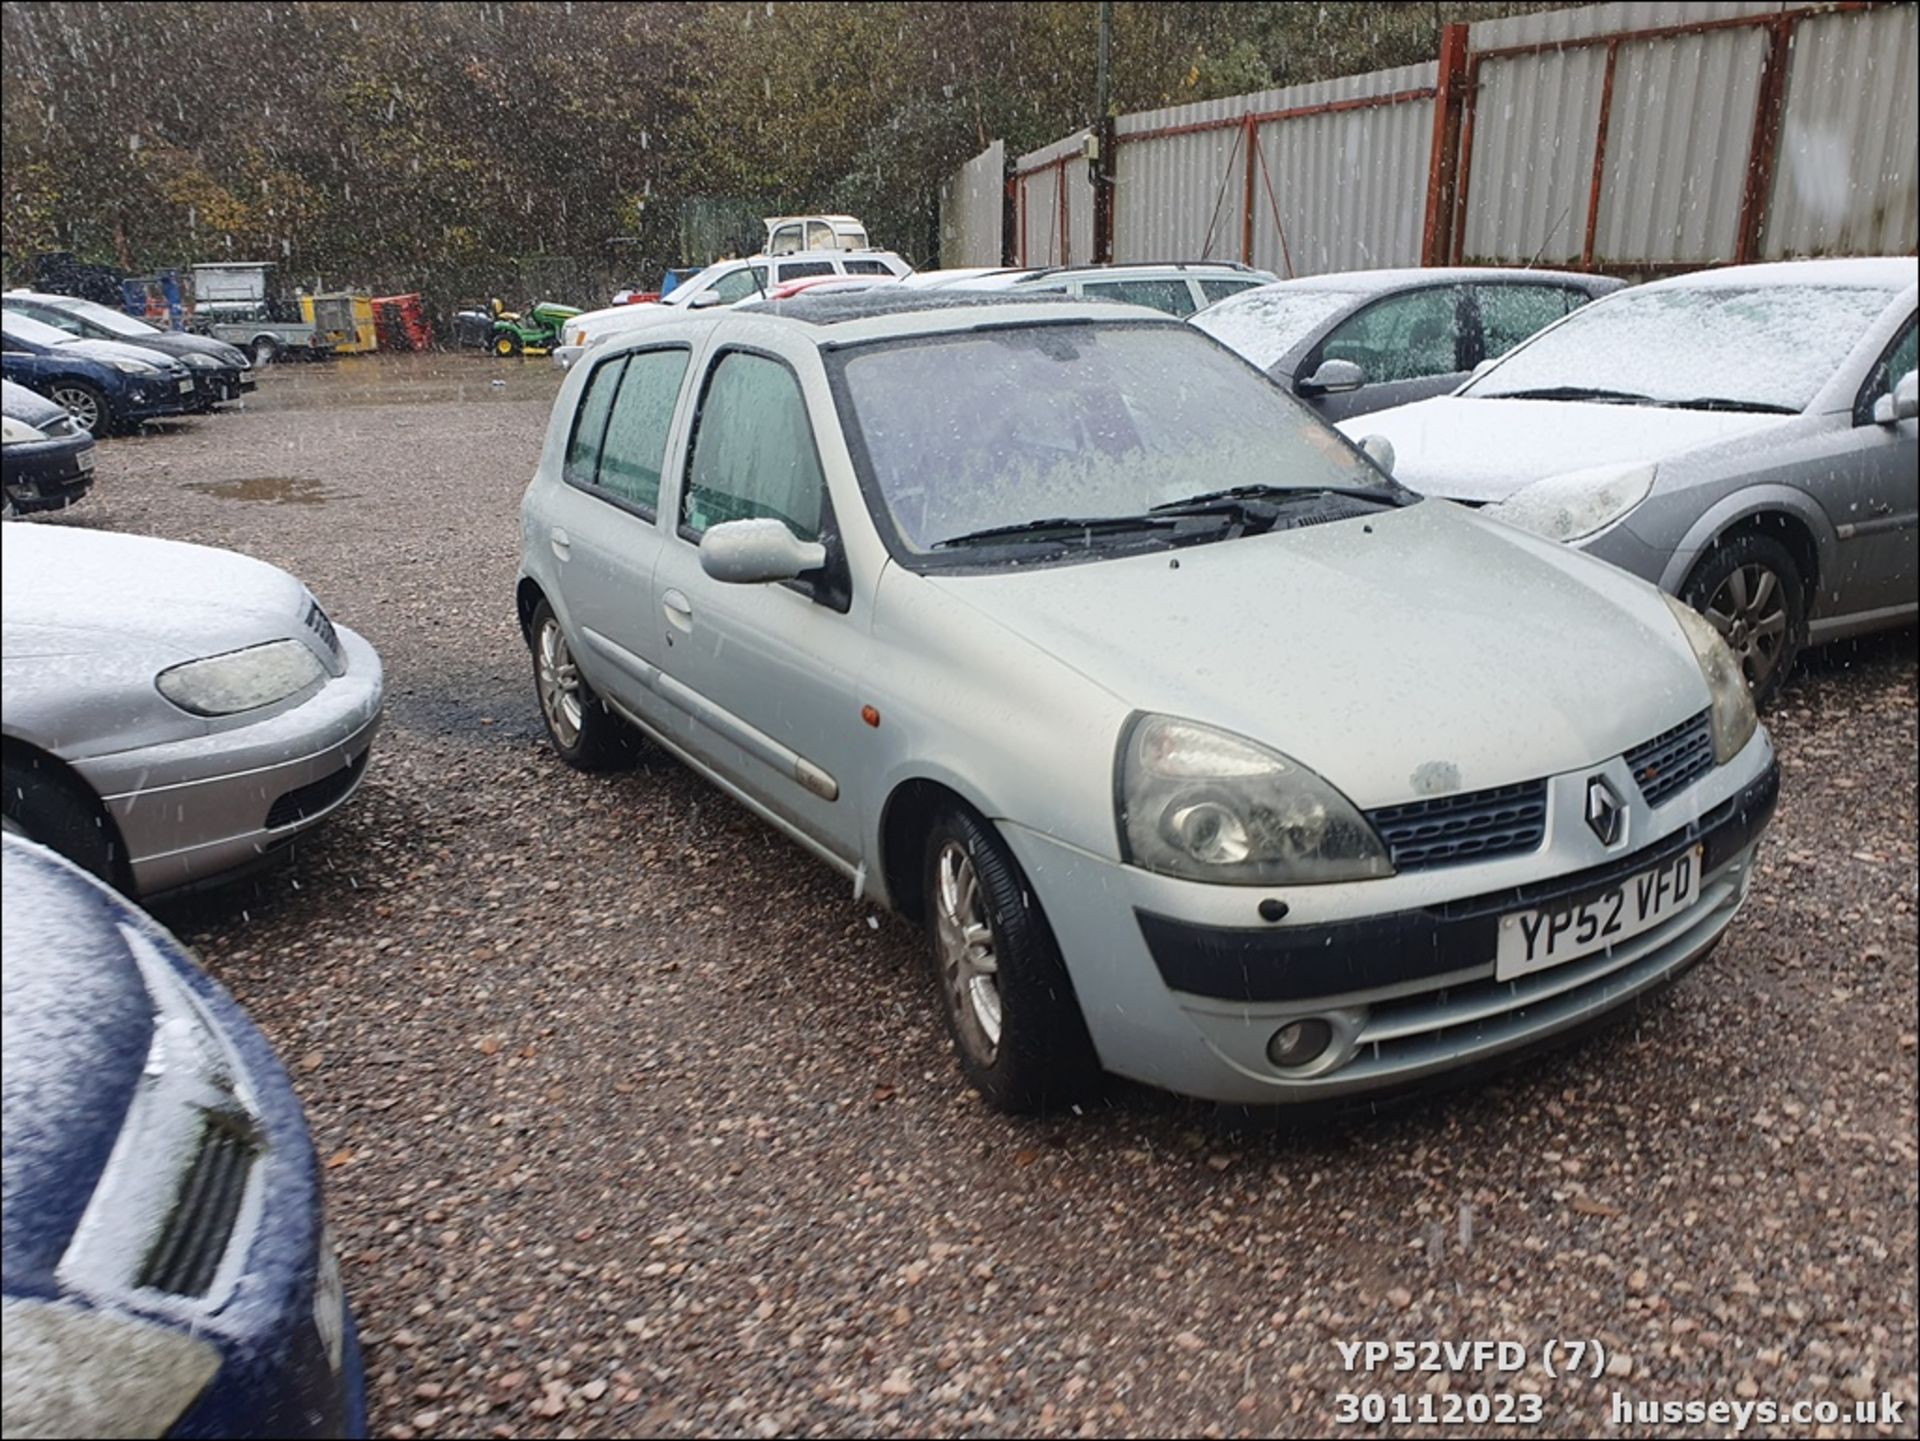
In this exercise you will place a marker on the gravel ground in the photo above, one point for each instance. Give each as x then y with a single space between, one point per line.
635 1122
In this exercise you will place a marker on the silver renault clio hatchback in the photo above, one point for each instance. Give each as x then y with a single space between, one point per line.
1205 753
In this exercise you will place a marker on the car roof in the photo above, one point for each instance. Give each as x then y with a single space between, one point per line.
41 297
1373 282
1878 272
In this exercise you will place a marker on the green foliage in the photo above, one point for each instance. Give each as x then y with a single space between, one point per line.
469 149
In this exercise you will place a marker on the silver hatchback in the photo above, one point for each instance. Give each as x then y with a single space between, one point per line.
1204 752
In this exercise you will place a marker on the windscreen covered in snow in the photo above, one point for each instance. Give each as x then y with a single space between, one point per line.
1768 346
1263 324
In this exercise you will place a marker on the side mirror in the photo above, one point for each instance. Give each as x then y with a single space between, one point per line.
1903 404
1334 377
754 552
1379 450
703 300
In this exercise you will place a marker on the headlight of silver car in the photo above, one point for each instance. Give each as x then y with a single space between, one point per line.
1734 720
134 367
1207 805
1575 505
241 679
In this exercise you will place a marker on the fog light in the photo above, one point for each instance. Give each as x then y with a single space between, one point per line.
1299 1043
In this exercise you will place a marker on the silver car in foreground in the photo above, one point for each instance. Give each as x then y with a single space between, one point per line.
1745 438
173 713
1205 752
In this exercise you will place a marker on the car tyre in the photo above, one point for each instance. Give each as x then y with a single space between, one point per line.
44 804
1750 589
1009 1004
85 403
266 350
583 732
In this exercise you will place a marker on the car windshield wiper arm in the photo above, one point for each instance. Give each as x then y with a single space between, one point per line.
1721 402
1058 525
1570 392
1391 493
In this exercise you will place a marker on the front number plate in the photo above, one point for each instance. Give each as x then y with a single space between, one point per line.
186 386
1535 940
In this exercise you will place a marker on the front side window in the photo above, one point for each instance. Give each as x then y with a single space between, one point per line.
1172 297
1711 345
753 451
967 432
736 286
1898 360
636 440
1510 313
1404 337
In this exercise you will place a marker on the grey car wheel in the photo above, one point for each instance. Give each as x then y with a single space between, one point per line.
585 734
969 968
1749 589
85 404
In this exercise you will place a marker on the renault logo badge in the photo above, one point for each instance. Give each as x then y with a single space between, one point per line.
1606 812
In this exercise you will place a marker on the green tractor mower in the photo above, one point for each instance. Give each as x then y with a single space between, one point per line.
534 331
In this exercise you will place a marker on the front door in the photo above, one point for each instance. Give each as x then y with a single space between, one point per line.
764 674
1409 346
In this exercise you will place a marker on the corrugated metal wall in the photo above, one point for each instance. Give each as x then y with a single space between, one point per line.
1332 182
972 204
1849 138
1666 95
1043 234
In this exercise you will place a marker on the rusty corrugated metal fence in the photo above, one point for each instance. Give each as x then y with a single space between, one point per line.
1635 138
972 205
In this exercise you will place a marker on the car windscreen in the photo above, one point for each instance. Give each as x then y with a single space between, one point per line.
107 318
35 332
1265 323
1765 347
1004 426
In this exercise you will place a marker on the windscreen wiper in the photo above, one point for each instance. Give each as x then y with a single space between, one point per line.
1058 525
1571 392
1721 402
1272 497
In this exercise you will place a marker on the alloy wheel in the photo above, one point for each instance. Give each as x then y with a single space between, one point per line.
559 685
969 961
1749 609
81 405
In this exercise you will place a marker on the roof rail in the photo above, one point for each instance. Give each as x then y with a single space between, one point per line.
1038 271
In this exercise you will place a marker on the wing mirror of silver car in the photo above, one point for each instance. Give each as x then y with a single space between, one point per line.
753 552
1334 377
1379 450
1903 404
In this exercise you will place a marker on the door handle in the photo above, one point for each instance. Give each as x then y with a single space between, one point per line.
678 608
562 546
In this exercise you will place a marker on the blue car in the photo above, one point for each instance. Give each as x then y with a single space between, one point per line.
103 385
46 461
167 1271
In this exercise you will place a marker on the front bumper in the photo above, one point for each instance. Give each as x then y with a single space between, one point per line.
46 475
1182 990
215 805
153 399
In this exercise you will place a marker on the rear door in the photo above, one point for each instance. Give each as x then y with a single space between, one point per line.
1409 345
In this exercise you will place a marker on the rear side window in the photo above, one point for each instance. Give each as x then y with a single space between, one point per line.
753 450
636 441
1404 337
1510 313
819 235
1171 296
590 423
867 267
1221 289
801 269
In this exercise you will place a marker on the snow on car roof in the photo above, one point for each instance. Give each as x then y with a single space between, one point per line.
1366 281
1881 272
882 301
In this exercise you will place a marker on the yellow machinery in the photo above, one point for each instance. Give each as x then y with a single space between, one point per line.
344 318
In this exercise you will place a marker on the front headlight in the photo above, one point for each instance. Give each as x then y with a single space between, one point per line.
134 367
199 361
1732 703
1575 505
1207 805
241 679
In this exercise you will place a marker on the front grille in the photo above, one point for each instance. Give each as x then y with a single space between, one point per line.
318 623
187 1255
314 797
1503 821
1674 759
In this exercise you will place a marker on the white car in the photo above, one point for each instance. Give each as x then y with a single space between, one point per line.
727 282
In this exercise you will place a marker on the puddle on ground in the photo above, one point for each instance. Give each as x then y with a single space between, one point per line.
406 378
275 489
